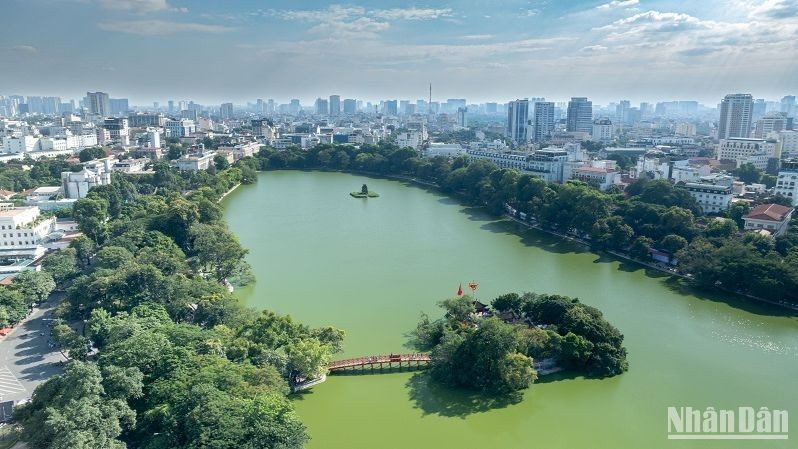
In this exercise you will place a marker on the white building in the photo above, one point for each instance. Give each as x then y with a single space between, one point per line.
548 164
788 142
602 130
444 149
22 227
773 218
739 148
410 139
787 181
710 197
180 128
241 150
502 160
76 185
195 162
21 144
600 177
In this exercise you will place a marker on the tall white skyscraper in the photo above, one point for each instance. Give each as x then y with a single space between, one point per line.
735 116
543 120
580 115
517 121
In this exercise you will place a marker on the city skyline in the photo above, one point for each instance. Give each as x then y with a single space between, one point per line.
154 50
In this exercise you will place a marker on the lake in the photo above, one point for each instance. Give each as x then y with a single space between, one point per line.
371 266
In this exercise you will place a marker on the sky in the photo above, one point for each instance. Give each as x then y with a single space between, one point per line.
212 51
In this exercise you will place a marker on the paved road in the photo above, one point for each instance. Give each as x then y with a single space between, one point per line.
26 359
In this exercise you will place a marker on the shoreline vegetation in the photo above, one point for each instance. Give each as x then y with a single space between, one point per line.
496 349
162 354
649 216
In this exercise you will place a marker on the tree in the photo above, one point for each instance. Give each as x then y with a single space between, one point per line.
84 249
89 154
61 264
640 248
508 301
748 173
673 243
307 359
216 250
721 228
75 411
458 308
221 162
34 286
113 257
92 217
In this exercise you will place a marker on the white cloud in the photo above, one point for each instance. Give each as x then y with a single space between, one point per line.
412 13
344 21
773 9
475 37
29 49
136 5
593 49
159 27
618 4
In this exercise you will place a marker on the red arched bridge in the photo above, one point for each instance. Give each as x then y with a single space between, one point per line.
374 361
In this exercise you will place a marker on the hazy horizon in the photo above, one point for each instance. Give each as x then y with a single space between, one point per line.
237 51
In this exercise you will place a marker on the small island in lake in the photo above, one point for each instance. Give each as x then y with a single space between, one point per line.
365 193
504 348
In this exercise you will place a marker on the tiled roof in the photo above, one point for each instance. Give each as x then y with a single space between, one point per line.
771 212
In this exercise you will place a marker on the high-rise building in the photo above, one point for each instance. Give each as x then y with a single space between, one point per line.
735 116
775 122
170 106
294 107
335 105
518 121
322 107
98 103
350 106
118 106
491 108
226 111
51 105
788 104
622 112
391 107
543 121
462 117
580 115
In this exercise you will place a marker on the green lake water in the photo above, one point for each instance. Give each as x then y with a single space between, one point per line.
371 266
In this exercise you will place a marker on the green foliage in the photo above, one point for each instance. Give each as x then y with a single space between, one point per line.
34 286
77 410
89 154
490 354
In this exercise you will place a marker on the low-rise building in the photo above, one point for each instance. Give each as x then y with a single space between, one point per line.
195 162
23 227
773 218
76 185
599 177
712 198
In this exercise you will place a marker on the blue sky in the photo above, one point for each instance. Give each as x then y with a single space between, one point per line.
483 50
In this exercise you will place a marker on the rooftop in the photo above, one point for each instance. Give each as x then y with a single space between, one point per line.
771 212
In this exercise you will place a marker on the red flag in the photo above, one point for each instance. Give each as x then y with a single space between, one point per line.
460 290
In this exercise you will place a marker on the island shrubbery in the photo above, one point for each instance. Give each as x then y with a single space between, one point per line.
494 350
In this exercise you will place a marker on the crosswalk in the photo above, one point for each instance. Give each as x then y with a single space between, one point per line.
9 384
